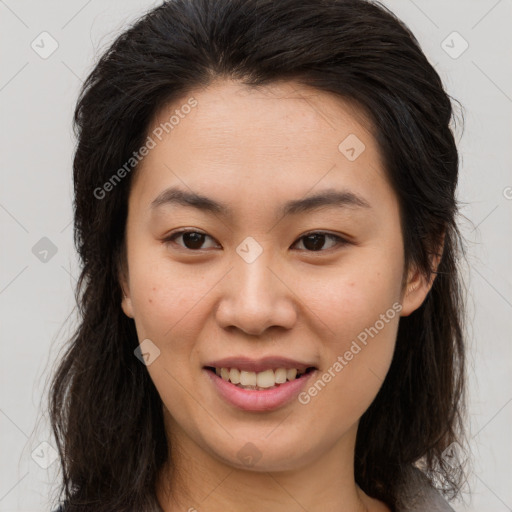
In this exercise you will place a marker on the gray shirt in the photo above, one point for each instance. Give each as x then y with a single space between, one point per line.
419 496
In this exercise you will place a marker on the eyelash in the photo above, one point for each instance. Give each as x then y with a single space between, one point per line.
340 241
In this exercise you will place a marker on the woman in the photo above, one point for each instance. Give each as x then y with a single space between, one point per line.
271 315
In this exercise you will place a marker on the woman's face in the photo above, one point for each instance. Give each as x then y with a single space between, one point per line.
252 282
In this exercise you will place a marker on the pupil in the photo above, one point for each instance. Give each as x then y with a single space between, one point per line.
194 240
316 245
197 240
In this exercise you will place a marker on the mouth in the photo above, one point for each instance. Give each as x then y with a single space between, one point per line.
259 392
259 381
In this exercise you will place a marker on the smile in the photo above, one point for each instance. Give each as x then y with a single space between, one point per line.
259 380
258 392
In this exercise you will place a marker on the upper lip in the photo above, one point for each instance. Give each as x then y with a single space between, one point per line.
259 365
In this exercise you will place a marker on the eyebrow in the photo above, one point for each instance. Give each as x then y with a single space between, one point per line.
326 198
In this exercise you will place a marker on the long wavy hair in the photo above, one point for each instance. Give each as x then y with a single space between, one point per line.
105 412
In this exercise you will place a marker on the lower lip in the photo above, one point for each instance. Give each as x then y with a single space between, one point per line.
259 400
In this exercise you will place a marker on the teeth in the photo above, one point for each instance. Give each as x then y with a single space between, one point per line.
266 379
247 378
234 376
281 374
291 374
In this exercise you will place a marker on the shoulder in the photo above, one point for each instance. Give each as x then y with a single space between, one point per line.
418 495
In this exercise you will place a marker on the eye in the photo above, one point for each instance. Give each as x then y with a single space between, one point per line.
192 239
316 239
313 242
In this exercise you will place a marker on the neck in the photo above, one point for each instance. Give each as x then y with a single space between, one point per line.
199 480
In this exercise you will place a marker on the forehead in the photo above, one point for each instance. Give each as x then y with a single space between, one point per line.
284 136
226 105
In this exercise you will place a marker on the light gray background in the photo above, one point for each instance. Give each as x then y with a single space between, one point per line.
37 97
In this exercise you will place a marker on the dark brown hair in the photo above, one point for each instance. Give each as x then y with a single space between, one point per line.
106 413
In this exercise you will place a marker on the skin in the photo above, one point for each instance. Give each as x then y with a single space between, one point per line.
254 149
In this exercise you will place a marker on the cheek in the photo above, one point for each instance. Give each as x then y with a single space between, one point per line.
161 297
358 312
170 306
363 323
362 311
353 297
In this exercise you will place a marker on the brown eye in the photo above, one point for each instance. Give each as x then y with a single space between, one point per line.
313 242
192 240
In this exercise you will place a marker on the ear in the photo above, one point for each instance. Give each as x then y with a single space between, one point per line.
126 302
418 286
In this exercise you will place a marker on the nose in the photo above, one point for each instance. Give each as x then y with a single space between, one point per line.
256 296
